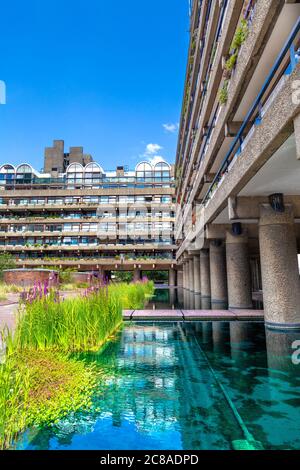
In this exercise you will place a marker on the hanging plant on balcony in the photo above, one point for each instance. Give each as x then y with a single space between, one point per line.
237 42
230 63
223 93
240 36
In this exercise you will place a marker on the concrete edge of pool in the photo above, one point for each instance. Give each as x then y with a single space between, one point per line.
192 315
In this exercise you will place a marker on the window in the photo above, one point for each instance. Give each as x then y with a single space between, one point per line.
162 172
144 172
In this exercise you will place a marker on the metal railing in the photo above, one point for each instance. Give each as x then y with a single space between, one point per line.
256 109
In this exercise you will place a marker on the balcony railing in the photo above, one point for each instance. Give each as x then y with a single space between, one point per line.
258 108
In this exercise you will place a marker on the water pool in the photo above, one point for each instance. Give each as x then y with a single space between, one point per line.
163 391
177 298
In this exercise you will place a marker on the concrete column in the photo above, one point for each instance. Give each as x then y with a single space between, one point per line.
180 278
136 275
205 274
220 336
282 350
197 280
218 276
191 275
172 292
172 277
279 267
187 274
183 275
238 271
297 135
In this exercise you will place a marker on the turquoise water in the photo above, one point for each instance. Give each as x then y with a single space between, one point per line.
162 391
171 298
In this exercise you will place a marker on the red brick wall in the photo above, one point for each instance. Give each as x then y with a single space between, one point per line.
28 277
80 277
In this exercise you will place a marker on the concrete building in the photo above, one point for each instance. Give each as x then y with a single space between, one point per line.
76 215
238 157
56 161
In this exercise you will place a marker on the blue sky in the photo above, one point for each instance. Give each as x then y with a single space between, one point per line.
103 74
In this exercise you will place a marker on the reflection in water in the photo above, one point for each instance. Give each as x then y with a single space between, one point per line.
159 393
174 298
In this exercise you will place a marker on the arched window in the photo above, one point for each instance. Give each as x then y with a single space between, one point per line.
144 171
24 174
162 171
75 173
7 169
24 169
93 175
7 174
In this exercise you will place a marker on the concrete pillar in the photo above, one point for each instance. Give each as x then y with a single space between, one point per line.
180 278
218 276
172 292
238 271
172 277
197 280
297 135
136 275
279 267
187 274
205 274
191 275
220 336
207 332
282 350
184 269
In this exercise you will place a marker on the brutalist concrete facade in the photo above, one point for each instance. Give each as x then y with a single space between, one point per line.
237 163
76 215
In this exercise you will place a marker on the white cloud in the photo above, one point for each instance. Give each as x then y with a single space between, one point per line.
151 154
171 128
152 149
156 159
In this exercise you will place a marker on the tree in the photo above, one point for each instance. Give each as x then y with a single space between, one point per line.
7 261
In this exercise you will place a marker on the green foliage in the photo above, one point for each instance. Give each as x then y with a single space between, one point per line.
39 382
240 35
77 324
157 275
123 276
223 93
7 261
9 289
133 296
39 387
230 63
65 276
238 39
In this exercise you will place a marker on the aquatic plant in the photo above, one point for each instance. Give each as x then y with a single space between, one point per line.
78 324
38 388
39 381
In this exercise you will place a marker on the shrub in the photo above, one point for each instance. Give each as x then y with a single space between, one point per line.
240 35
230 63
7 261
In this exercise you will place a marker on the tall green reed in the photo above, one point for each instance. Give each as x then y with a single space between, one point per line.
79 324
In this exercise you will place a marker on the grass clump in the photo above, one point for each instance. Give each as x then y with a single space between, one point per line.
38 388
9 289
223 93
39 381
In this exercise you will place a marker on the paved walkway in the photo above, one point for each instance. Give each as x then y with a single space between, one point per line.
192 315
8 314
